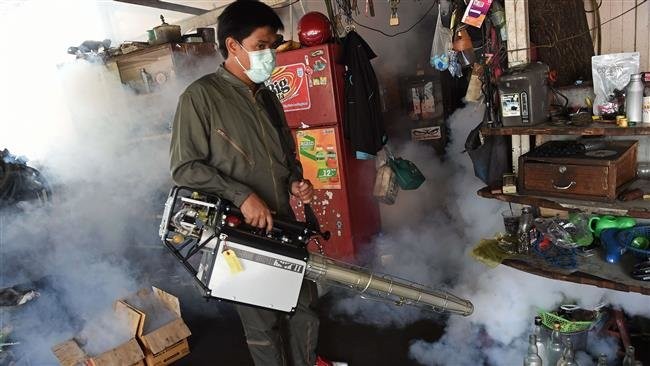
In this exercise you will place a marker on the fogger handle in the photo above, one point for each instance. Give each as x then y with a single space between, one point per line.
288 224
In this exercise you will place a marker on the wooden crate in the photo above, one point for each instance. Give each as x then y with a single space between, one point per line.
580 176
163 63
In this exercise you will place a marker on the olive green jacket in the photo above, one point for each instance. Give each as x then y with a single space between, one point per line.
224 142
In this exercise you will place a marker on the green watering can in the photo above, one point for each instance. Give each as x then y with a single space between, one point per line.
599 223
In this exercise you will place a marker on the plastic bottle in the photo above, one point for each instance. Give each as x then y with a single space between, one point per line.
634 99
554 348
540 340
628 360
532 358
602 360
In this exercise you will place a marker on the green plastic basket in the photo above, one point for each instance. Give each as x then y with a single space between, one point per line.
566 326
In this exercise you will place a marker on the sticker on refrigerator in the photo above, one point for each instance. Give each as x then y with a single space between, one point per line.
319 157
510 105
290 84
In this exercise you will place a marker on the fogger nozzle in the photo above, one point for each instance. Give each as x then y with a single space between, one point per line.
320 268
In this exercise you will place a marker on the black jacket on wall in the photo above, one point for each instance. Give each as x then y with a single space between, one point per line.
363 124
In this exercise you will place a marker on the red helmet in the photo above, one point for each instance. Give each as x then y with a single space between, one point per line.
314 29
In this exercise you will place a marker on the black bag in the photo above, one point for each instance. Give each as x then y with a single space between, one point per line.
491 157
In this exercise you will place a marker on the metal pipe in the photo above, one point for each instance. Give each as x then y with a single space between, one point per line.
320 268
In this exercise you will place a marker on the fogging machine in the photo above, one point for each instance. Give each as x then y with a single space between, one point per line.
235 262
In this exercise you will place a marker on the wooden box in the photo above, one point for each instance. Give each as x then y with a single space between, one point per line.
163 63
599 173
129 353
164 340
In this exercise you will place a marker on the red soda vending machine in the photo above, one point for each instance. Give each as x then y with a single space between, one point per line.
309 83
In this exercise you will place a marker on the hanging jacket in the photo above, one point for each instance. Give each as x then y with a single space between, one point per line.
363 123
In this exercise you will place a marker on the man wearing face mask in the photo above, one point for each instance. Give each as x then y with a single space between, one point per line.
230 138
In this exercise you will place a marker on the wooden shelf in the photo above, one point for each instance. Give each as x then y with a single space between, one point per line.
638 208
594 129
611 276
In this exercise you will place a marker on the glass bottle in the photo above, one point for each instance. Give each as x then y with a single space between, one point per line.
532 358
554 348
568 356
628 360
541 340
602 360
525 226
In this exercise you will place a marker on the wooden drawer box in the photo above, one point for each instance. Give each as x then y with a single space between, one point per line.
597 174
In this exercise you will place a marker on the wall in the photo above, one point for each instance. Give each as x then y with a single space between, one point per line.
618 35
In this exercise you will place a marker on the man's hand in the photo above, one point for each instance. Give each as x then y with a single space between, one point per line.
303 190
257 213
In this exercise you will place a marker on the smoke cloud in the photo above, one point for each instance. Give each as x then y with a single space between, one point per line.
428 233
104 151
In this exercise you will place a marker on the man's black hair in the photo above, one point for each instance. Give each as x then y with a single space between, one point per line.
241 18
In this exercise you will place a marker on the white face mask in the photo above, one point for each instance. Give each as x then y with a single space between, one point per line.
262 63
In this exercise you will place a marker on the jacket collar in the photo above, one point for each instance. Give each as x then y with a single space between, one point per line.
233 80
229 77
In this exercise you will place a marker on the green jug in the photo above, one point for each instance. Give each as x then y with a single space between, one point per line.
599 223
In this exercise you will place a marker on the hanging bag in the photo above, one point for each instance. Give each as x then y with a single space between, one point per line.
441 45
407 174
490 156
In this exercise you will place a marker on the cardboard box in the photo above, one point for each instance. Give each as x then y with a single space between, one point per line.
70 353
166 343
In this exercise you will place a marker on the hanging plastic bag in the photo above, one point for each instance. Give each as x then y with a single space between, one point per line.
441 45
611 72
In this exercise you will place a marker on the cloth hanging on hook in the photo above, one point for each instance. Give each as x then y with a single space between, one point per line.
363 123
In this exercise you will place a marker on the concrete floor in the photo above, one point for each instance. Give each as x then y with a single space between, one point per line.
218 338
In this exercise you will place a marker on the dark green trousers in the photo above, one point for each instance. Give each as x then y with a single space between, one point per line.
279 339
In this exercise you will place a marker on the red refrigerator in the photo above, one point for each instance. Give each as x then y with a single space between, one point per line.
309 83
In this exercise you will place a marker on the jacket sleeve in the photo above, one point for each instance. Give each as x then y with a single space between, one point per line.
292 157
190 150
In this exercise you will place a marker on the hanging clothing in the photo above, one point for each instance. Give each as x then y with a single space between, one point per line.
363 124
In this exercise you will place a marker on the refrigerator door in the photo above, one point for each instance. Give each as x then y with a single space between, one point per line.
309 84
343 200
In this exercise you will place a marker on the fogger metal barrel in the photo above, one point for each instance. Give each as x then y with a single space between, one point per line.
401 292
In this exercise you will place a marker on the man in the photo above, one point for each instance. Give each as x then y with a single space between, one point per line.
230 138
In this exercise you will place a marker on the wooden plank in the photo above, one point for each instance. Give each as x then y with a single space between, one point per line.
627 27
616 29
643 38
594 129
576 277
128 353
166 336
157 4
638 209
69 353
607 29
204 20
517 29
